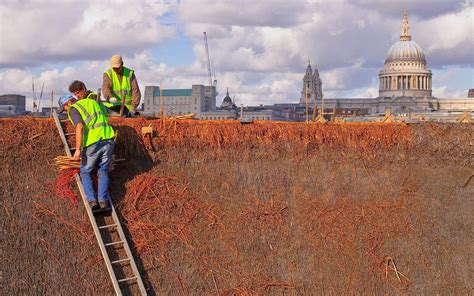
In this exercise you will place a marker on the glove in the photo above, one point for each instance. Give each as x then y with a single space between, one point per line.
113 100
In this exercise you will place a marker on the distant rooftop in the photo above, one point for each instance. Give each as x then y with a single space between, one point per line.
174 92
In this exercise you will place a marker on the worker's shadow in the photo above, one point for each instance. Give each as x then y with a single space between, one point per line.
132 158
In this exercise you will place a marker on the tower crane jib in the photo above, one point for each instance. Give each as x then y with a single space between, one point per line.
208 59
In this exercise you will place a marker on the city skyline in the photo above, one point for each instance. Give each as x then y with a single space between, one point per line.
259 50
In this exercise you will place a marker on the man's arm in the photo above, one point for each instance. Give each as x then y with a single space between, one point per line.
79 130
106 87
136 95
76 120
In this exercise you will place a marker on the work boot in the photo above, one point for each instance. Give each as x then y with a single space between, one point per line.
104 204
93 204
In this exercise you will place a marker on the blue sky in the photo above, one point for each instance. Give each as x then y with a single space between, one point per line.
259 49
177 50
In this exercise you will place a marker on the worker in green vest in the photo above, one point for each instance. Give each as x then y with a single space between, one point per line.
119 83
94 144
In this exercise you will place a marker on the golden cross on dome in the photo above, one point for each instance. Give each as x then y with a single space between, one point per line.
405 33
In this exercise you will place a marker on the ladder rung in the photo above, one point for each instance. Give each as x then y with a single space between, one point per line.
127 279
107 226
120 260
113 243
72 148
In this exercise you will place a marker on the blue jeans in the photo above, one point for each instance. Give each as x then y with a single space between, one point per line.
98 155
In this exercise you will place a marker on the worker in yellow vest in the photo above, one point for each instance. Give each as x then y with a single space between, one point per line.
119 83
94 141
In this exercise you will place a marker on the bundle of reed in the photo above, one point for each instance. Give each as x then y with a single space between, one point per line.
64 162
184 116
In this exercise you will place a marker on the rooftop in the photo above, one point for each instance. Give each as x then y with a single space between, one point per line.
173 92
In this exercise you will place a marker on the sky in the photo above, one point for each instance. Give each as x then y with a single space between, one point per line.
258 49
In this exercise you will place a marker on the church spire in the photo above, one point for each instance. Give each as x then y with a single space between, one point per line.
309 70
405 33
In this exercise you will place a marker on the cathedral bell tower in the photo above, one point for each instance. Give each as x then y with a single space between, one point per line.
312 86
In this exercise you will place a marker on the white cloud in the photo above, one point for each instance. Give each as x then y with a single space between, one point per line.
370 92
422 8
449 38
445 92
248 13
259 49
38 32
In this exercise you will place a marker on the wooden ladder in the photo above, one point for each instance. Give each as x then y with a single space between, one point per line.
116 252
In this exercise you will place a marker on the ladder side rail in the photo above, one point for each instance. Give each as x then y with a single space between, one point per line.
61 133
88 210
116 220
98 236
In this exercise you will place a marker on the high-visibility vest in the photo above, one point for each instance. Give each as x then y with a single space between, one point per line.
118 88
96 124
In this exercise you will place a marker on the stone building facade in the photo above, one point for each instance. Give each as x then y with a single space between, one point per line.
197 99
200 100
229 110
12 104
312 86
470 93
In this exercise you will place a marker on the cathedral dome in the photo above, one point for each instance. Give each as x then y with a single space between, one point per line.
405 73
227 99
227 102
405 49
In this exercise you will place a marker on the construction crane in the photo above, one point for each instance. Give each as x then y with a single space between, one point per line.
36 104
208 60
35 107
40 97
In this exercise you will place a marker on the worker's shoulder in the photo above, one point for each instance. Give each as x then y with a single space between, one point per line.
129 70
73 110
92 96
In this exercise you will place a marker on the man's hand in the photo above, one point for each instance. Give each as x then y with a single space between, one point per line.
77 155
134 112
112 100
79 136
